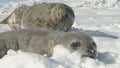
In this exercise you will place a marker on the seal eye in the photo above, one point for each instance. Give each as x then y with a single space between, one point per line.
75 45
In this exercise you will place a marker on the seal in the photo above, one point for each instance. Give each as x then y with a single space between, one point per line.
56 16
43 41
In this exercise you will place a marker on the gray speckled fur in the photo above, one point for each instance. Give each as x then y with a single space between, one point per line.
56 16
43 41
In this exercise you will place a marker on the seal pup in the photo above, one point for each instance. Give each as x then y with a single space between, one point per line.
56 16
42 41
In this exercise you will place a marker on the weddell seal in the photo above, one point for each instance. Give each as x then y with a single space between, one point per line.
56 16
43 41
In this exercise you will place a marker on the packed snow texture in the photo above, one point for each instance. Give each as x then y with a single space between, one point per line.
99 18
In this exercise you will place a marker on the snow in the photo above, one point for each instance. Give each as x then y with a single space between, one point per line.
21 59
99 18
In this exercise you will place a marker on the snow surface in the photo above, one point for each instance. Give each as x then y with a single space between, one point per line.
98 18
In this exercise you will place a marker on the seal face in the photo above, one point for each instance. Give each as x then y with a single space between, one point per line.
43 42
56 16
79 42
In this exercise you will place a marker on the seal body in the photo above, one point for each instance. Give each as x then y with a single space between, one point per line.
43 41
56 16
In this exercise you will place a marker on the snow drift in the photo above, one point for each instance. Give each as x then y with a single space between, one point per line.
62 58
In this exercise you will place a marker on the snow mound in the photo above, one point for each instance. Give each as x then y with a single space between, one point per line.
20 59
62 58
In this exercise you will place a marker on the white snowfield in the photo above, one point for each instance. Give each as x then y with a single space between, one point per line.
98 18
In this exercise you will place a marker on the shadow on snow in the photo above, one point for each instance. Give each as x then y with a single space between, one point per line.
95 33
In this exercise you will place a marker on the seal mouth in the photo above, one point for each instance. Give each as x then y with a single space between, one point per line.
89 56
